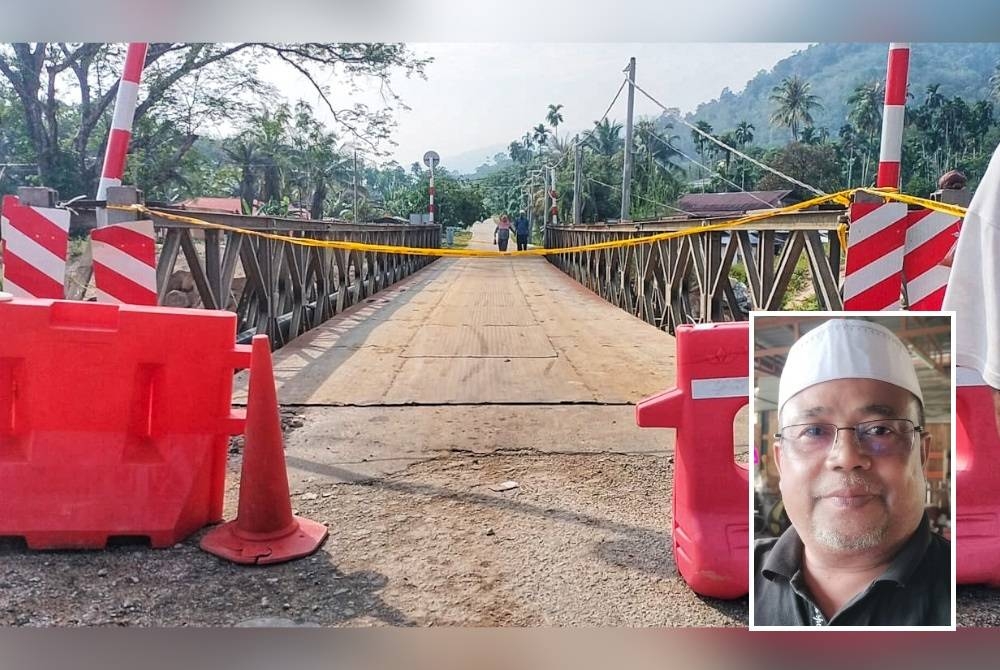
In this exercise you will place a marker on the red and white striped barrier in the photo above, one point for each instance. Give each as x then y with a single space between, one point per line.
892 115
121 123
928 238
36 240
125 263
710 505
875 252
977 479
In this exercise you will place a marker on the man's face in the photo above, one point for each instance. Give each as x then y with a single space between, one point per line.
842 500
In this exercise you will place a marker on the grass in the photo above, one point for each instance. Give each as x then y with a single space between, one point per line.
461 239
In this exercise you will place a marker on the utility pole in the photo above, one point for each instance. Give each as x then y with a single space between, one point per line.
546 208
355 185
577 183
555 198
627 167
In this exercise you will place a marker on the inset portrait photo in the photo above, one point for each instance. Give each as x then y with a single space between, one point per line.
852 485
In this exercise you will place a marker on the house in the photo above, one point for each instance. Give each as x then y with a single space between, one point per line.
706 205
209 204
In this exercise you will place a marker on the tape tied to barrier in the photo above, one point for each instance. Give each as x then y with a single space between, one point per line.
840 197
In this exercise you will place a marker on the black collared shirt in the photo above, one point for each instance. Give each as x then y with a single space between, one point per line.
915 590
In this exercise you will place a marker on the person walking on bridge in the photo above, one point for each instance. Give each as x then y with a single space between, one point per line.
501 236
522 229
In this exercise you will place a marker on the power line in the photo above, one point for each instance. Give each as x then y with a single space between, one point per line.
714 172
722 144
591 131
661 204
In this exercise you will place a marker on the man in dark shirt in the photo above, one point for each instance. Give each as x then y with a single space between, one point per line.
522 230
850 456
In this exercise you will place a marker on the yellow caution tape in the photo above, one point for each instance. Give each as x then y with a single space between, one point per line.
891 194
841 197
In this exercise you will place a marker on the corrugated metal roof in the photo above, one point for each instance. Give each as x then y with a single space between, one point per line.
712 204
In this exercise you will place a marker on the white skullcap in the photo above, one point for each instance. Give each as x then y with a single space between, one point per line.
847 349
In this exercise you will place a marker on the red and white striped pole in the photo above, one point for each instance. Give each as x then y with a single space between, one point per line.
892 115
121 124
430 207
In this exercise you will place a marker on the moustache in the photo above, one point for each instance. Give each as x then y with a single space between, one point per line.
852 484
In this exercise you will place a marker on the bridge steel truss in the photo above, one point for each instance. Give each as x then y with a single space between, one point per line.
288 289
689 279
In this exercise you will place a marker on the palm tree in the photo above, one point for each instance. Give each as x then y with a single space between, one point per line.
810 135
606 139
554 117
795 104
271 135
866 115
701 143
518 152
243 151
529 142
848 148
540 134
743 133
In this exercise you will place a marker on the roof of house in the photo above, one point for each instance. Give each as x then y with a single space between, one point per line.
721 204
226 205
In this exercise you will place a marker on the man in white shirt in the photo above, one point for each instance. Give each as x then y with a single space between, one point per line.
974 286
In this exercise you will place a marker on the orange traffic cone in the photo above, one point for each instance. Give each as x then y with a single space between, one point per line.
265 531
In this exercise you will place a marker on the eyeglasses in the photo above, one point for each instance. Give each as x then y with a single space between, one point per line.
882 437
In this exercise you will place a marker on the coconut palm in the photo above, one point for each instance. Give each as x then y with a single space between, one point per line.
606 138
743 134
795 104
243 151
866 115
270 128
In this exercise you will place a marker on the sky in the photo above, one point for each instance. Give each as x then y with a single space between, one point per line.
479 97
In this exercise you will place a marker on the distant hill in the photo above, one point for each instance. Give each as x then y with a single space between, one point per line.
834 70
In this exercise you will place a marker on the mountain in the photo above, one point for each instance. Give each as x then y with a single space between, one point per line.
834 70
467 161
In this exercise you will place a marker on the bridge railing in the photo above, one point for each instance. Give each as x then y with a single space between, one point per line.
695 278
276 287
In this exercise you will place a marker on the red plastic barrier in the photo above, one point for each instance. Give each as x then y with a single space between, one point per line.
113 421
977 481
711 490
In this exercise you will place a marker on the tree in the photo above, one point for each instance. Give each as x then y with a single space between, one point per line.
743 133
242 149
795 104
540 134
995 82
606 138
518 152
815 165
554 117
866 114
185 86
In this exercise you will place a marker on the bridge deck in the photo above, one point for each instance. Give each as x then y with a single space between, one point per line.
406 414
476 331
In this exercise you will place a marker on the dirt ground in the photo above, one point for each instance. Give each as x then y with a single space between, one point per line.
581 540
